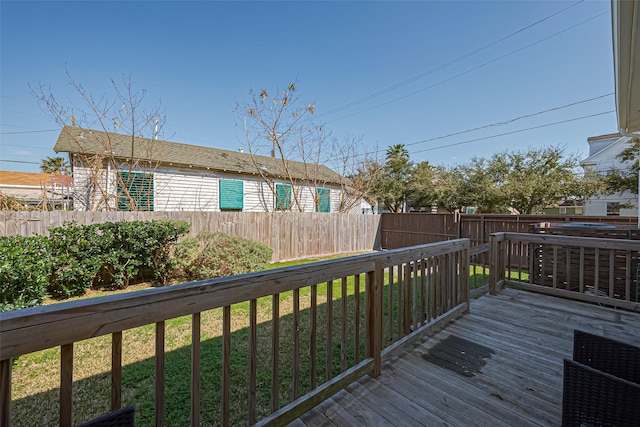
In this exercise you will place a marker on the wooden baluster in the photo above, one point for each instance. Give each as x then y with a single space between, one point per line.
160 339
314 337
329 345
226 365
275 353
196 351
343 343
390 303
116 371
5 392
66 384
253 351
296 342
356 292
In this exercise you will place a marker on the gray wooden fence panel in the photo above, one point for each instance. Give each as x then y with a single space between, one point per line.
291 235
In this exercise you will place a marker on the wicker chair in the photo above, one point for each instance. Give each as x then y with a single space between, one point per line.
601 383
604 354
595 398
120 418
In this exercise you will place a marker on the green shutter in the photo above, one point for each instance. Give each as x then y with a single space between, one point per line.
231 194
139 185
324 200
283 197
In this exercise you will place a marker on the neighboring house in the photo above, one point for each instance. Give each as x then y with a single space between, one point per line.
567 207
34 189
168 176
603 150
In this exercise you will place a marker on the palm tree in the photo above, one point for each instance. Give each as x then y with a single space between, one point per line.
397 151
55 166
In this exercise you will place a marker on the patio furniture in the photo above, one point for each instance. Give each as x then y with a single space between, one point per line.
602 384
120 418
595 398
607 355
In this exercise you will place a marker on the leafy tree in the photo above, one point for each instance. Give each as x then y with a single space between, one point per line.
55 166
391 187
540 177
423 186
626 179
448 185
481 186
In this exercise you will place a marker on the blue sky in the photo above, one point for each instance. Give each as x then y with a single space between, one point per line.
201 58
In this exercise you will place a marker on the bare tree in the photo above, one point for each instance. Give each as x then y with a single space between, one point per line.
123 119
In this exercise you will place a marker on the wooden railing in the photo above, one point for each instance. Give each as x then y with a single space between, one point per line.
599 270
337 319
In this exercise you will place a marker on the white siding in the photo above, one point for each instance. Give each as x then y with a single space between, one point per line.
192 190
258 197
603 161
185 191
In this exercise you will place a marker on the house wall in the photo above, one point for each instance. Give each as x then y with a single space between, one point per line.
189 190
602 158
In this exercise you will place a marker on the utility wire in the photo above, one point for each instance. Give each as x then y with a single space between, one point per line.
19 161
445 65
29 131
500 123
472 69
515 131
509 121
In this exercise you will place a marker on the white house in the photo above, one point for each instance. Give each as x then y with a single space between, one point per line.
115 171
603 150
625 29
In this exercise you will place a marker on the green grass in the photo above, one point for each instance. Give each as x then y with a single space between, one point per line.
35 376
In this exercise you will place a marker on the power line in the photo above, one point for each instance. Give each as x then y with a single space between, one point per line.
29 131
509 121
472 69
445 65
515 131
19 161
500 123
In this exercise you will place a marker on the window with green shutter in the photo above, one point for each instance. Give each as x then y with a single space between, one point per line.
324 200
231 194
283 197
135 191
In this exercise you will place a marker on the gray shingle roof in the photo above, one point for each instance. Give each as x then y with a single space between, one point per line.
78 140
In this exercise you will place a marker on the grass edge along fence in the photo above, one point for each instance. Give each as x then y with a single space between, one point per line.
346 315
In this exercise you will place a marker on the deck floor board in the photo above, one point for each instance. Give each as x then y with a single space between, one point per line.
499 365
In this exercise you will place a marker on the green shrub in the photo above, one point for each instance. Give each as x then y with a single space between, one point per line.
112 254
78 255
216 254
25 265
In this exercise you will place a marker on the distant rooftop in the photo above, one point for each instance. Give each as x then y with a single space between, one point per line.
34 179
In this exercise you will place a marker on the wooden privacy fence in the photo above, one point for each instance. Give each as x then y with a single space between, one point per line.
407 229
291 235
299 335
584 268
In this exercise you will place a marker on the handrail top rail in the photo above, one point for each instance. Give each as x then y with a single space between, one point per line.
560 240
27 330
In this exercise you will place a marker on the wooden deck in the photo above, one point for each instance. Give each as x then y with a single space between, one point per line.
500 365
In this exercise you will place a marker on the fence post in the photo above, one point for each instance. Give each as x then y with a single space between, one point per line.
374 316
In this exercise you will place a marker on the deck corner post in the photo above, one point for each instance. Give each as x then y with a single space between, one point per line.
374 316
494 266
